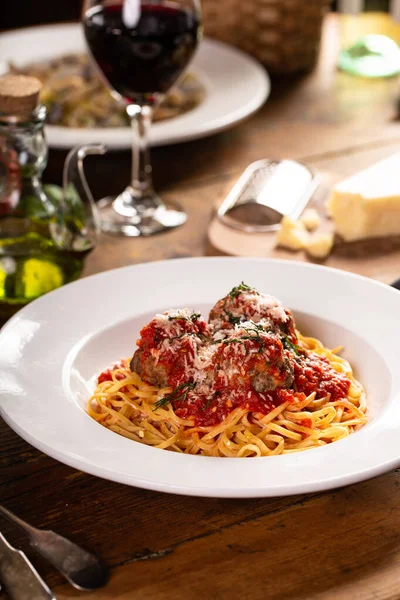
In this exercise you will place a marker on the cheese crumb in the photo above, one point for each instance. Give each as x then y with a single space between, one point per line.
292 234
310 219
320 245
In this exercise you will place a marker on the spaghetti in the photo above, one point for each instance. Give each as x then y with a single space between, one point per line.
252 388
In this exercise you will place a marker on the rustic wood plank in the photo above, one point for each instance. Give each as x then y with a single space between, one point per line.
29 474
341 545
90 510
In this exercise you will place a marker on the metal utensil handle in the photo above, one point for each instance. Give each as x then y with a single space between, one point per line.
80 567
20 578
14 519
396 284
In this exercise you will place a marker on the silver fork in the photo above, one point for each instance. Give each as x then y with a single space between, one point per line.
81 568
20 578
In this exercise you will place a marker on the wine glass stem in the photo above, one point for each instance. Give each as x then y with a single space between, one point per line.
141 184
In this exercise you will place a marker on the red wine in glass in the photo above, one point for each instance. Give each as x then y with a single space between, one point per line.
141 53
141 47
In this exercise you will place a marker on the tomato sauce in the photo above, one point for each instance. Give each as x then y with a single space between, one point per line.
209 415
232 374
152 334
312 373
107 375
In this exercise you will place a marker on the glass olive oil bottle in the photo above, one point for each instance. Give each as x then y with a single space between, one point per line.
44 236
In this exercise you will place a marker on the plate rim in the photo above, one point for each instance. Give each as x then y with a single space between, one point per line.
55 133
325 484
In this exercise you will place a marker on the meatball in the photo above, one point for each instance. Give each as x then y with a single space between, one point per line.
268 380
168 347
246 304
145 364
250 357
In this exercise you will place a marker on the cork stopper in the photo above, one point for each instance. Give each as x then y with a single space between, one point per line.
19 94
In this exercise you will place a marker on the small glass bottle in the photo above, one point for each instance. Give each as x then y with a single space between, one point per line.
43 243
370 35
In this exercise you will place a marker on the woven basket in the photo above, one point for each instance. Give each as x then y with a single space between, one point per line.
283 34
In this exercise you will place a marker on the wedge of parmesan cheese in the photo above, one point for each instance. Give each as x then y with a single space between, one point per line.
367 204
292 234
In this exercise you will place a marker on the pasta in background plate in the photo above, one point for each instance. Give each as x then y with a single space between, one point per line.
75 96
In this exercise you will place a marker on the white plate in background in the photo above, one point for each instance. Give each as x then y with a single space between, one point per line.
236 86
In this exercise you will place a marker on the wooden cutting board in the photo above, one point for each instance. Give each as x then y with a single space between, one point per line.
228 241
239 243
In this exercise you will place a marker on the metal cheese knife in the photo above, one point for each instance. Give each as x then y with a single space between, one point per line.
20 578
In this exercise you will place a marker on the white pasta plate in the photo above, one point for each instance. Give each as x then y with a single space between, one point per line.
52 350
235 87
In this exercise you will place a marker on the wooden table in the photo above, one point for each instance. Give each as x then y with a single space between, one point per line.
337 545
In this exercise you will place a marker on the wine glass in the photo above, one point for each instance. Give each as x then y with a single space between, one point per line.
141 48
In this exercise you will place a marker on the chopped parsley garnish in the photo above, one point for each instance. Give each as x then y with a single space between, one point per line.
210 400
258 326
157 336
256 329
193 317
203 337
236 291
287 327
231 318
179 393
179 337
293 347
